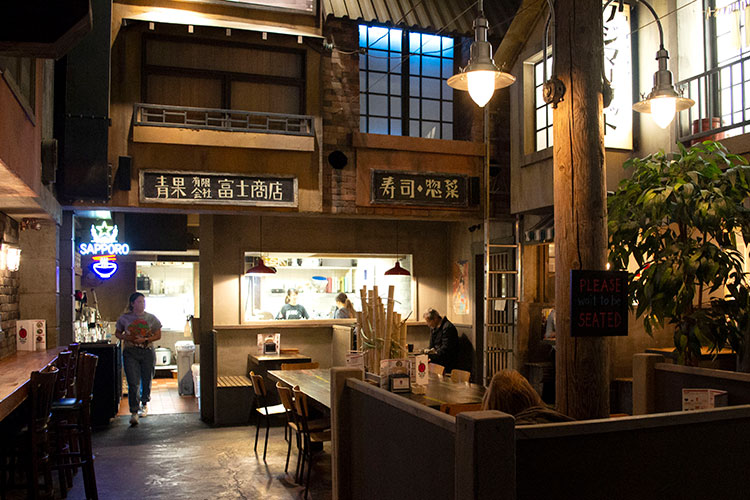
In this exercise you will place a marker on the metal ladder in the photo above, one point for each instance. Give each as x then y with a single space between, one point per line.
502 286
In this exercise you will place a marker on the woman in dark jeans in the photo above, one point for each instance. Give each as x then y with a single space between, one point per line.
138 331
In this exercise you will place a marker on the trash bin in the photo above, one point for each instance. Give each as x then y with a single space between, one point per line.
185 358
197 382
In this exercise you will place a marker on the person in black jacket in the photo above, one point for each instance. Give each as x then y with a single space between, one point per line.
443 340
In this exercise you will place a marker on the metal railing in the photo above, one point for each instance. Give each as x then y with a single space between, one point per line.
721 103
226 120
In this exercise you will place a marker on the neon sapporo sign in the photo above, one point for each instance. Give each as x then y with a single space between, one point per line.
104 249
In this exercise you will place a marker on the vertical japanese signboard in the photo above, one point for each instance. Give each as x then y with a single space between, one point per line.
598 303
217 189
409 188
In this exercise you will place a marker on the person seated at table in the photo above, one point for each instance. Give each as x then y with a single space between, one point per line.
344 307
510 392
443 340
290 309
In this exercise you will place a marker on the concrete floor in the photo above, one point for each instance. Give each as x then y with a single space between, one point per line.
180 457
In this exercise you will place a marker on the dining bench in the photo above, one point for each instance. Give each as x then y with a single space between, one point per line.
386 445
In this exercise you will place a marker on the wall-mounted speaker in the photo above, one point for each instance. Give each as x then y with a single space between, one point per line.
122 177
49 161
337 159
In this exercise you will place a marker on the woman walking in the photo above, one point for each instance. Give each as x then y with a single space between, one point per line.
138 330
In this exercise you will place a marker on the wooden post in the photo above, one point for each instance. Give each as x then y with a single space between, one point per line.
582 378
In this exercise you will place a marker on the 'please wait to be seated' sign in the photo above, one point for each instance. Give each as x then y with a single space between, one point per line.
598 303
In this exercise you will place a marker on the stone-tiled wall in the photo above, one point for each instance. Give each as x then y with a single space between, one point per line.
9 285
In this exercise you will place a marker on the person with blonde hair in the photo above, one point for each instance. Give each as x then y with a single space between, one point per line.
510 392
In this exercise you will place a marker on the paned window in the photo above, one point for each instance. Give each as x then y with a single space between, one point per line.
542 110
403 86
618 116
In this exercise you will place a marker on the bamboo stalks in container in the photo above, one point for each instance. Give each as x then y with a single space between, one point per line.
382 331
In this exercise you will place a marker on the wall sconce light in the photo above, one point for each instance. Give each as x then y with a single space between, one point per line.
481 76
29 223
663 101
10 257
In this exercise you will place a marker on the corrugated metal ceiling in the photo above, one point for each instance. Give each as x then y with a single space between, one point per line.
445 16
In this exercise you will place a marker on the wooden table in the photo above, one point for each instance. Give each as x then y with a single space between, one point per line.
265 362
261 364
317 385
15 372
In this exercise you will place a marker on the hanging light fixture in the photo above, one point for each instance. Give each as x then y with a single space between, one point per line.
481 77
663 101
260 267
397 270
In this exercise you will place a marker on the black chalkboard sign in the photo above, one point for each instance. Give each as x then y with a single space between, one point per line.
213 188
408 188
598 303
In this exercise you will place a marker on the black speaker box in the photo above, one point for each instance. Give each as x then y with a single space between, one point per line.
122 177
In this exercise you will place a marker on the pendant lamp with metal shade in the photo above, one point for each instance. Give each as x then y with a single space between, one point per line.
663 101
481 77
260 268
397 270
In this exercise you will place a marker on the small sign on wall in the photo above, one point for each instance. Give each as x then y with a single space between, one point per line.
598 303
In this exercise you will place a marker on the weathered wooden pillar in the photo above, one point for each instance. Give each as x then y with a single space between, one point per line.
582 383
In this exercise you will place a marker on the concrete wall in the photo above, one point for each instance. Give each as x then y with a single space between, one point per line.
39 278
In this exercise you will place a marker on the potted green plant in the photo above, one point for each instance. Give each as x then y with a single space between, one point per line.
678 218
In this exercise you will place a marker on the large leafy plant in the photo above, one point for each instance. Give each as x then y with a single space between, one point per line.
678 218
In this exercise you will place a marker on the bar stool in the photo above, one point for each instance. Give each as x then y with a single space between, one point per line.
62 364
72 428
30 447
259 388
310 435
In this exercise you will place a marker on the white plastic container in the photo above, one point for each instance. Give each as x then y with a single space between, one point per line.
163 356
185 357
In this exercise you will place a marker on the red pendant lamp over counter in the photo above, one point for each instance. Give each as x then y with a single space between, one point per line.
260 267
397 270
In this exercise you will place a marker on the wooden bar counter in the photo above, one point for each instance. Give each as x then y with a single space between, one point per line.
15 372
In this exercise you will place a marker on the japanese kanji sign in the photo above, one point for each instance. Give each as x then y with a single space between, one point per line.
217 189
410 188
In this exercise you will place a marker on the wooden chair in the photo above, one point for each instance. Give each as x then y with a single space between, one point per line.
454 409
300 366
436 368
29 449
259 388
287 399
71 424
310 435
459 376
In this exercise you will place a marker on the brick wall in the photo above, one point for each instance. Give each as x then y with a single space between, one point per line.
340 110
9 286
340 86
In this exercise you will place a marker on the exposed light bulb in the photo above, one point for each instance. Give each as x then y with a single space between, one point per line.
481 86
663 110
